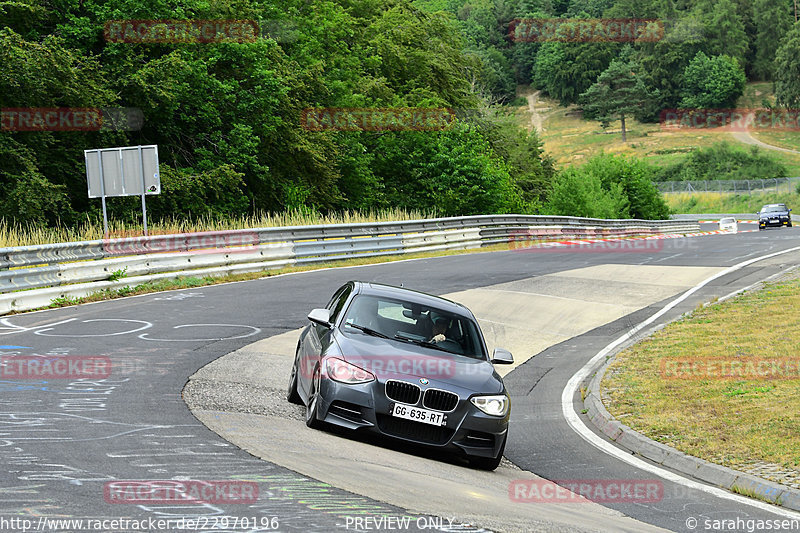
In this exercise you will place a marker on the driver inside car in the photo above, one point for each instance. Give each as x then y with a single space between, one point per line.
439 330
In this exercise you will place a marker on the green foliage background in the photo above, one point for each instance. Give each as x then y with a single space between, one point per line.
227 115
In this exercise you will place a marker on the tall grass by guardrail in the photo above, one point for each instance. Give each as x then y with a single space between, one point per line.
91 230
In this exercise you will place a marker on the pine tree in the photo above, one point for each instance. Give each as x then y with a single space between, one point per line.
773 21
618 93
787 69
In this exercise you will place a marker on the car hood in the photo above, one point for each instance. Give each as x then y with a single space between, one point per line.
391 359
773 214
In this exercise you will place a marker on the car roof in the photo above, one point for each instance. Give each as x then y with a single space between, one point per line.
411 296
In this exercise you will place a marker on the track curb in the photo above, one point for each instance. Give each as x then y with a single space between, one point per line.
700 469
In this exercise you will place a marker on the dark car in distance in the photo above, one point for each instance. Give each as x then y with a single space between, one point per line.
772 215
405 365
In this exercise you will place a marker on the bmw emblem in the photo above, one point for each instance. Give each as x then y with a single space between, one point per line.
423 381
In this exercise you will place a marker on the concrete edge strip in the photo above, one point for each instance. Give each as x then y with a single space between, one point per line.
634 443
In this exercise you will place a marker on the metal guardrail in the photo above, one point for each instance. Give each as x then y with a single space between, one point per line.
78 268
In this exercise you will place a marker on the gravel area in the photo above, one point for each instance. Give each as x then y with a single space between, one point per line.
240 398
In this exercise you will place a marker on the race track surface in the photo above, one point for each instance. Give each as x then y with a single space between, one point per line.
62 441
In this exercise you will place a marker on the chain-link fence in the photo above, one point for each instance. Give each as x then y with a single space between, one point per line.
731 186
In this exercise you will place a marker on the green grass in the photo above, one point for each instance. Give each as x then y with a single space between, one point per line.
784 139
735 420
720 202
92 230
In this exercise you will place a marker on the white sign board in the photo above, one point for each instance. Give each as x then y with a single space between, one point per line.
122 171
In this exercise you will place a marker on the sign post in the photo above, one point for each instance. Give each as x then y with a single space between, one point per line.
126 171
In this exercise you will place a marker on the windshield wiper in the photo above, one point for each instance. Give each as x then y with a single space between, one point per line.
369 331
426 344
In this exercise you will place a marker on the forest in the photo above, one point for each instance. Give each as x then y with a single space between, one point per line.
230 115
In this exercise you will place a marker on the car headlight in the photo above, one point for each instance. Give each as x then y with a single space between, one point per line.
491 405
344 372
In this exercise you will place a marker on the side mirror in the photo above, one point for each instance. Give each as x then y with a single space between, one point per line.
321 317
502 357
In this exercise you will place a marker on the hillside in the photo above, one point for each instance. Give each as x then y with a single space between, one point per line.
570 139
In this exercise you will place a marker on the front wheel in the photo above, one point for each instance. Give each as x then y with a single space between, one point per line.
312 408
292 395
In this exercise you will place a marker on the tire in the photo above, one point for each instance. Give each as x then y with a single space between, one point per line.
292 395
488 463
312 419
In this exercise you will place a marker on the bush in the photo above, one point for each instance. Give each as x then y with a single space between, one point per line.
608 186
582 195
722 161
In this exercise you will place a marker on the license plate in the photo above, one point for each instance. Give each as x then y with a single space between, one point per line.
774 220
416 414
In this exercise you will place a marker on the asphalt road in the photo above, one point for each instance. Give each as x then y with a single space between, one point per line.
62 440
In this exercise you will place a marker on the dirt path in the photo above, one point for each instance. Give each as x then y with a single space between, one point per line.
537 118
746 138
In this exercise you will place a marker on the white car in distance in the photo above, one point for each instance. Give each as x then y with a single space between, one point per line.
728 224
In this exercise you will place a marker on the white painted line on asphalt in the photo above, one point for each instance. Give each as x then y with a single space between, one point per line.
592 438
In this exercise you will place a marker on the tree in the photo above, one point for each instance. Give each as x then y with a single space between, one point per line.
787 69
725 30
664 62
772 22
617 94
566 69
454 172
712 82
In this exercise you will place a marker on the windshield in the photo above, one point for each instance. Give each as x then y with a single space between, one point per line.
413 323
773 209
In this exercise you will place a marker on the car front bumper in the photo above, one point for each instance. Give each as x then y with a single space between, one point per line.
773 223
365 408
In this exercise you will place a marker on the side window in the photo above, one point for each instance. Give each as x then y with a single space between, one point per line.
394 310
337 302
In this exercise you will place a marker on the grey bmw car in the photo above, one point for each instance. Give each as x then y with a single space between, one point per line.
406 365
